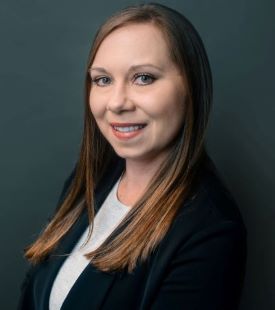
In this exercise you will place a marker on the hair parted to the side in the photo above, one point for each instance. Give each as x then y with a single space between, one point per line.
150 218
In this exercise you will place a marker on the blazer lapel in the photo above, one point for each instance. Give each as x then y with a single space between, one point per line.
92 285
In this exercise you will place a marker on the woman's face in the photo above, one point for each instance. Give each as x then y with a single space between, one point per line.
137 95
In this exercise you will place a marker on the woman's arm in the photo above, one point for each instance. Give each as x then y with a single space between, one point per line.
208 271
31 268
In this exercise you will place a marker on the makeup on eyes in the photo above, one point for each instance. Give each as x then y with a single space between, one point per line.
152 77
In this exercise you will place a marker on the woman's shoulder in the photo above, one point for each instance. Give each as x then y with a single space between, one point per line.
208 230
212 205
205 250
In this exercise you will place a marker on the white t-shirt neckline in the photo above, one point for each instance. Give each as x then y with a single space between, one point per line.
108 217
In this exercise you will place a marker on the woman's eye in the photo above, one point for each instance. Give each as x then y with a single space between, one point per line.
101 81
144 79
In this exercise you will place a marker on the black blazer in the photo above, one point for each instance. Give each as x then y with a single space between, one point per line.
200 264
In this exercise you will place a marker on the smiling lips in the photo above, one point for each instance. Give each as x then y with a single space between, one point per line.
125 131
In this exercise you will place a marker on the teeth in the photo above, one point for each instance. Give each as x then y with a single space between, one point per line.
128 129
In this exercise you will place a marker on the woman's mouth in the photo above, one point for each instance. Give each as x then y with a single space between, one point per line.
128 128
127 131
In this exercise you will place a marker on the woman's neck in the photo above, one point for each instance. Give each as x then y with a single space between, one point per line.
136 177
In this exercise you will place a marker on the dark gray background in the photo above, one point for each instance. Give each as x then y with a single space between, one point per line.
44 48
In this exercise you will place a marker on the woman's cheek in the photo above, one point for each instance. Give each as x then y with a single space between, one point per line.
93 106
97 105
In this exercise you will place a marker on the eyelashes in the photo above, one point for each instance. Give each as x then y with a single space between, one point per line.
101 81
147 77
141 79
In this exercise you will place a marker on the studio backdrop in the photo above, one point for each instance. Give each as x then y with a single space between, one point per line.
44 49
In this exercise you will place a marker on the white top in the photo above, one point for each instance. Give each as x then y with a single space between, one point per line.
108 217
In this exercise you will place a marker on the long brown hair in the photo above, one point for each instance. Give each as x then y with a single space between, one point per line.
150 218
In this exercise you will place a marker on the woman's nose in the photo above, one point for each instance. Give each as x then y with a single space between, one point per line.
119 99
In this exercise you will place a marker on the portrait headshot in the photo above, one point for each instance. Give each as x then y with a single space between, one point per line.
138 182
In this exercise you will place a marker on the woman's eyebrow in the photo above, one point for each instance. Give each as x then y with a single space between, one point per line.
135 67
132 68
99 69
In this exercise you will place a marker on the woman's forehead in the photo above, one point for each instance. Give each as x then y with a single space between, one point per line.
134 43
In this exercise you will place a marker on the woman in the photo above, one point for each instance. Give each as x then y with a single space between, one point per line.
144 221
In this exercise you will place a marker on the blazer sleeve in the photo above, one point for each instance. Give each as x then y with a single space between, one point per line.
207 272
31 268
